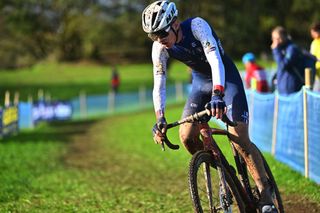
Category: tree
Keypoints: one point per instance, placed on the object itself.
(110, 30)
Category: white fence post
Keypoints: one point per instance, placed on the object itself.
(7, 99)
(179, 91)
(40, 94)
(83, 104)
(142, 96)
(30, 101)
(111, 101)
(275, 123)
(16, 98)
(305, 131)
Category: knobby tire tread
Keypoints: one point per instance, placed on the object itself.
(204, 156)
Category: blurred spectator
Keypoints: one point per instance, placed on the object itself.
(256, 77)
(315, 50)
(115, 79)
(290, 62)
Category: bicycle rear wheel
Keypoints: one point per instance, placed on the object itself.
(205, 186)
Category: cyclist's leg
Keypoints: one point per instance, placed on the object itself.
(235, 99)
(240, 138)
(199, 96)
(189, 136)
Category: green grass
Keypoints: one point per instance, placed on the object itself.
(65, 81)
(108, 165)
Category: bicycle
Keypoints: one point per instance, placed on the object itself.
(217, 187)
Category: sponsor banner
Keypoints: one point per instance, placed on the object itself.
(47, 111)
(9, 120)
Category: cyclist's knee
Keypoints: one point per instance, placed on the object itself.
(189, 136)
(240, 133)
(240, 137)
(185, 131)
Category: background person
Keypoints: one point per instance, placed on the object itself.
(115, 79)
(256, 77)
(215, 79)
(315, 50)
(290, 63)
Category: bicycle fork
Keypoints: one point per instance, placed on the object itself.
(210, 145)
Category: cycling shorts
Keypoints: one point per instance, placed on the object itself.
(235, 98)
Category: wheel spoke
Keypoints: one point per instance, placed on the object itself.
(205, 187)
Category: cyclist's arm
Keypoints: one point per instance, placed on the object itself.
(159, 59)
(202, 32)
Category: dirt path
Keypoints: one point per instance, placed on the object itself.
(86, 152)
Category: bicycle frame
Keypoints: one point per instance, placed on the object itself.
(241, 181)
(209, 142)
(206, 134)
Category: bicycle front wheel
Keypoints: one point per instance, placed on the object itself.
(206, 189)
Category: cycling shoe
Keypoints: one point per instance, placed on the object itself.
(268, 209)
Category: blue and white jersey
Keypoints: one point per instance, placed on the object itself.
(200, 49)
(199, 46)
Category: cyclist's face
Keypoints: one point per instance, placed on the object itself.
(160, 34)
(166, 37)
(169, 40)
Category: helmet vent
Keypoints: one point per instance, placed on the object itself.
(154, 15)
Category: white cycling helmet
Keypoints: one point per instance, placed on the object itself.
(158, 16)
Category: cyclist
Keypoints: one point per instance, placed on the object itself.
(215, 80)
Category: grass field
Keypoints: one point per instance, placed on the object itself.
(65, 81)
(111, 165)
(105, 165)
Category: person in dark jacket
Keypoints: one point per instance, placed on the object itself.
(290, 63)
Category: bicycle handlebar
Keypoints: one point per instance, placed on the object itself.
(191, 119)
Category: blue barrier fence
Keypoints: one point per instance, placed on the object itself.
(97, 105)
(313, 120)
(91, 106)
(277, 125)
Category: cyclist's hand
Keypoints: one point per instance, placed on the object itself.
(159, 130)
(218, 106)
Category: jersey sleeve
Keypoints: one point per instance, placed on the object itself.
(159, 59)
(202, 32)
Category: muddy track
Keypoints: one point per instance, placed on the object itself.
(85, 152)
